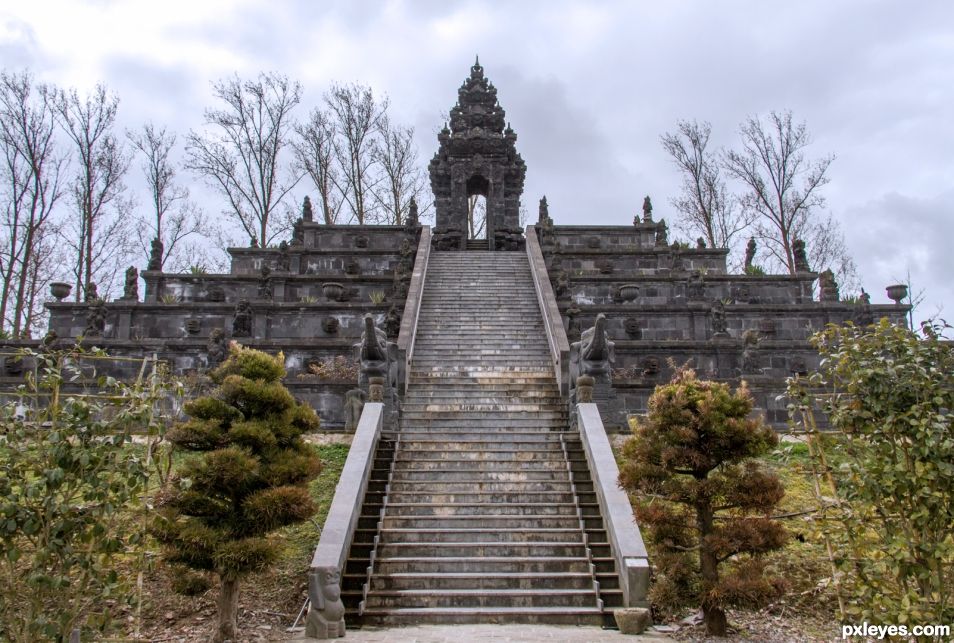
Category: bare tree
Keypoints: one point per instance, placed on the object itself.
(174, 217)
(358, 116)
(31, 176)
(706, 206)
(315, 151)
(477, 216)
(101, 226)
(241, 155)
(782, 186)
(401, 176)
(826, 247)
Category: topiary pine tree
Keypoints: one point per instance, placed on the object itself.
(249, 476)
(704, 499)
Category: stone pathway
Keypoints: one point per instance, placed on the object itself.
(494, 633)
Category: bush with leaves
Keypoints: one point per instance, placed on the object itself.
(704, 499)
(249, 476)
(69, 482)
(889, 398)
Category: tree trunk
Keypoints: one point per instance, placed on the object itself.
(713, 615)
(227, 628)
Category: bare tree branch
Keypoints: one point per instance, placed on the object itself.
(241, 153)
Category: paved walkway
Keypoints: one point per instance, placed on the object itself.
(494, 634)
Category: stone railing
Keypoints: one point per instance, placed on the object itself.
(629, 550)
(412, 308)
(552, 321)
(326, 613)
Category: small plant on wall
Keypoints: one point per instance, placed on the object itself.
(705, 500)
(334, 368)
(247, 476)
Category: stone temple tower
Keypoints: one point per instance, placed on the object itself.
(477, 156)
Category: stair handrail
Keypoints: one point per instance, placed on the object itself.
(331, 554)
(552, 321)
(629, 550)
(412, 309)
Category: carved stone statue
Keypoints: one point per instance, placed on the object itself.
(284, 261)
(862, 315)
(155, 254)
(392, 323)
(700, 243)
(413, 219)
(827, 286)
(326, 616)
(376, 356)
(800, 257)
(543, 218)
(648, 211)
(749, 362)
(407, 256)
(353, 406)
(131, 287)
(750, 252)
(594, 354)
(217, 348)
(95, 318)
(307, 214)
(562, 285)
(265, 283)
(253, 242)
(242, 322)
(719, 326)
(662, 234)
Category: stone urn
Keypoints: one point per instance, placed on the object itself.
(332, 290)
(61, 290)
(897, 292)
(628, 292)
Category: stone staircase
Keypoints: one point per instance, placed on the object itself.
(480, 507)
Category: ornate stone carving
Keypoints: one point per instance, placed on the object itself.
(749, 253)
(412, 220)
(91, 293)
(392, 323)
(284, 260)
(217, 348)
(863, 315)
(543, 215)
(352, 267)
(562, 285)
(799, 256)
(361, 242)
(477, 156)
(193, 325)
(650, 366)
(593, 243)
(594, 354)
(717, 316)
(799, 367)
(330, 325)
(216, 293)
(827, 286)
(131, 286)
(749, 362)
(647, 210)
(605, 266)
(326, 616)
(353, 406)
(265, 283)
(376, 356)
(700, 244)
(155, 254)
(307, 214)
(242, 321)
(662, 234)
(632, 327)
(95, 318)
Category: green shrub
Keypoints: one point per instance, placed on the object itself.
(248, 476)
(704, 500)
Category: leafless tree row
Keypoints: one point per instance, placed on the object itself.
(778, 200)
(66, 213)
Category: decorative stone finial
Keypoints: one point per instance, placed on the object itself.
(412, 216)
(306, 212)
(155, 255)
(662, 234)
(799, 256)
(131, 287)
(543, 218)
(647, 210)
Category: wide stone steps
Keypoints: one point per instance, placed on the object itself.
(482, 514)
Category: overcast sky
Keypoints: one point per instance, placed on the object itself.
(588, 87)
